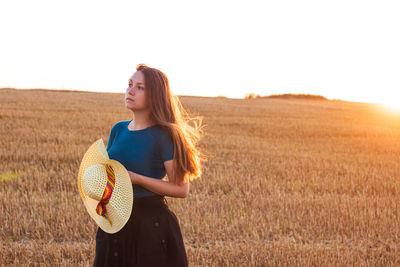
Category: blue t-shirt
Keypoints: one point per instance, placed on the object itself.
(142, 151)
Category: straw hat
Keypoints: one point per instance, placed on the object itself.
(106, 188)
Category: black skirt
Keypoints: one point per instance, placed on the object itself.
(151, 237)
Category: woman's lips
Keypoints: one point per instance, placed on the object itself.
(128, 99)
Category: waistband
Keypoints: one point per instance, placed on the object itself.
(150, 199)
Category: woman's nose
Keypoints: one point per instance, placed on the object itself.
(131, 90)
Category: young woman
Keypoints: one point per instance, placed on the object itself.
(158, 141)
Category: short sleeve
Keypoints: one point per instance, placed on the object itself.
(166, 147)
(111, 137)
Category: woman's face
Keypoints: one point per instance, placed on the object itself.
(136, 95)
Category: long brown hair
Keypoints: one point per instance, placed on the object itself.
(168, 112)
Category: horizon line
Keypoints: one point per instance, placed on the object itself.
(219, 96)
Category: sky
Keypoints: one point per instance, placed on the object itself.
(339, 49)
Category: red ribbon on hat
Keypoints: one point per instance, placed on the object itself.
(101, 206)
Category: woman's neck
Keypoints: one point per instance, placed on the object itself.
(140, 121)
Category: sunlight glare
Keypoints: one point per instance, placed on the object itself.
(392, 104)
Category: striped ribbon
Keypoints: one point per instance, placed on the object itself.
(101, 207)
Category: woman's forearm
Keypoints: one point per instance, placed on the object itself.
(159, 186)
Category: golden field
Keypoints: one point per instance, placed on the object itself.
(290, 183)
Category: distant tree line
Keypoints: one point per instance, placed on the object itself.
(287, 96)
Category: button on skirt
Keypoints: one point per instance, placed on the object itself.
(151, 237)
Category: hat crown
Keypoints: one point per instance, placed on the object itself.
(94, 181)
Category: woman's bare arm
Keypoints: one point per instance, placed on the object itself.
(165, 188)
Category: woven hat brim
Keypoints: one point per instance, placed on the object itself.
(119, 207)
(120, 204)
(96, 154)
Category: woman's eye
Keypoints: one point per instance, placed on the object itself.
(139, 87)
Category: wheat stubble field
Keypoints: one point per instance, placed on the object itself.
(290, 182)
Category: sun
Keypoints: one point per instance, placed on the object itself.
(392, 104)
